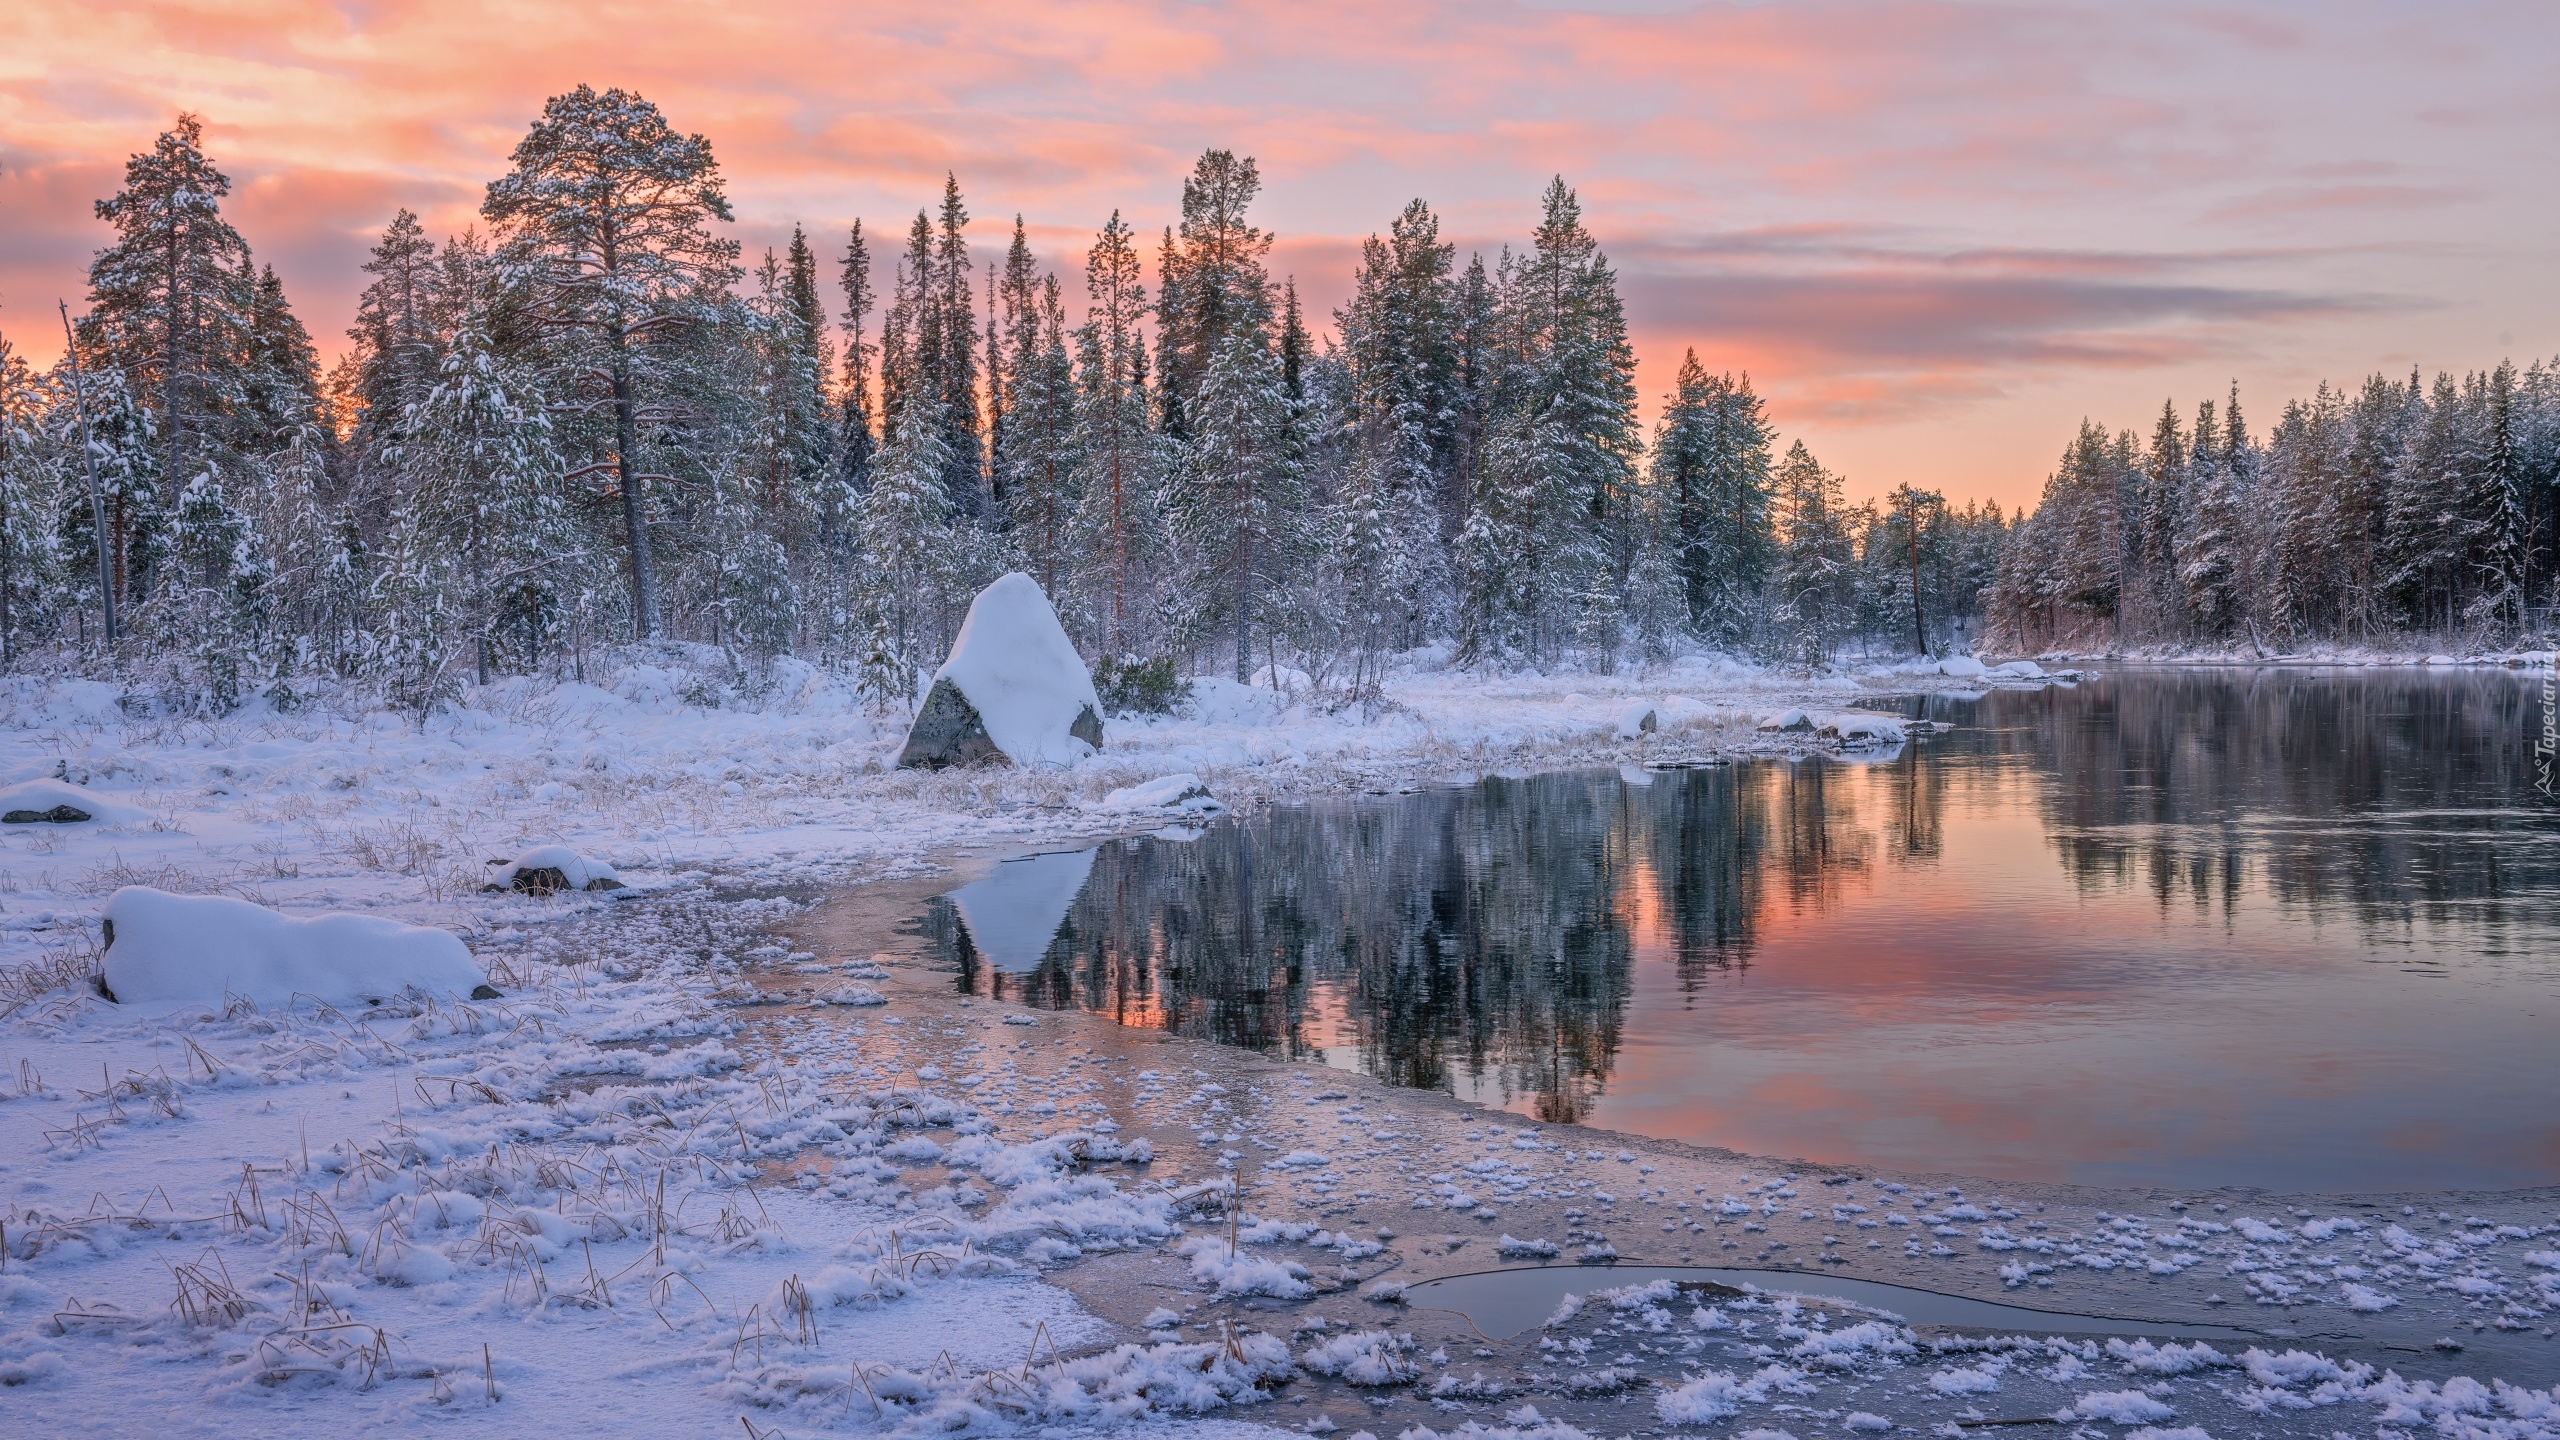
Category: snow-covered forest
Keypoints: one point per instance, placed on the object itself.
(592, 419)
(2403, 508)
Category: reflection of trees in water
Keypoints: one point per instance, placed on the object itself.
(1479, 936)
(1482, 937)
(2395, 795)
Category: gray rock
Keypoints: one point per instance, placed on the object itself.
(548, 880)
(63, 814)
(948, 731)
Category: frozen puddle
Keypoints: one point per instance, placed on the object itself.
(1502, 1303)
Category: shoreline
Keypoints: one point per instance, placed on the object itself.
(686, 1155)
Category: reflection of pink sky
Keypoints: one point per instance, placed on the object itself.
(1900, 1029)
(1936, 233)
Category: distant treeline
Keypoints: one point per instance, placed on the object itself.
(2428, 511)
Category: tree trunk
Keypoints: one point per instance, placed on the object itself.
(635, 520)
(1244, 615)
(1919, 631)
(172, 406)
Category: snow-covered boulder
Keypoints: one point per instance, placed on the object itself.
(2019, 670)
(1787, 720)
(548, 869)
(1287, 679)
(1166, 792)
(172, 949)
(1855, 730)
(52, 802)
(1013, 688)
(1637, 719)
(1963, 667)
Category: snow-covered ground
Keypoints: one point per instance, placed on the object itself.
(725, 1151)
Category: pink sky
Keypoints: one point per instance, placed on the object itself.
(1937, 234)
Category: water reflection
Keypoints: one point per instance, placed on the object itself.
(1883, 963)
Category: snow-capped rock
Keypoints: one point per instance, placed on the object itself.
(1013, 688)
(545, 869)
(1166, 792)
(52, 802)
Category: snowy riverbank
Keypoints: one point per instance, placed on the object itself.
(719, 1152)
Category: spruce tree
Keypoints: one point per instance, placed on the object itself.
(1816, 574)
(906, 535)
(955, 363)
(1397, 340)
(854, 448)
(1042, 459)
(2495, 507)
(1237, 514)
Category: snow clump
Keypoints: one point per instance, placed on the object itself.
(164, 949)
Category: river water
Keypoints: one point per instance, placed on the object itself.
(2288, 929)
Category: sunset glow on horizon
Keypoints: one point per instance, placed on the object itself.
(1936, 234)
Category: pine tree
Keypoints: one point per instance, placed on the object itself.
(1213, 282)
(168, 302)
(1013, 343)
(1912, 537)
(607, 216)
(1115, 515)
(2423, 543)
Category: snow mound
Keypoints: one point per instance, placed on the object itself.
(545, 869)
(1366, 1357)
(164, 948)
(2018, 670)
(2124, 1407)
(1013, 684)
(40, 802)
(1287, 679)
(1963, 667)
(1165, 792)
